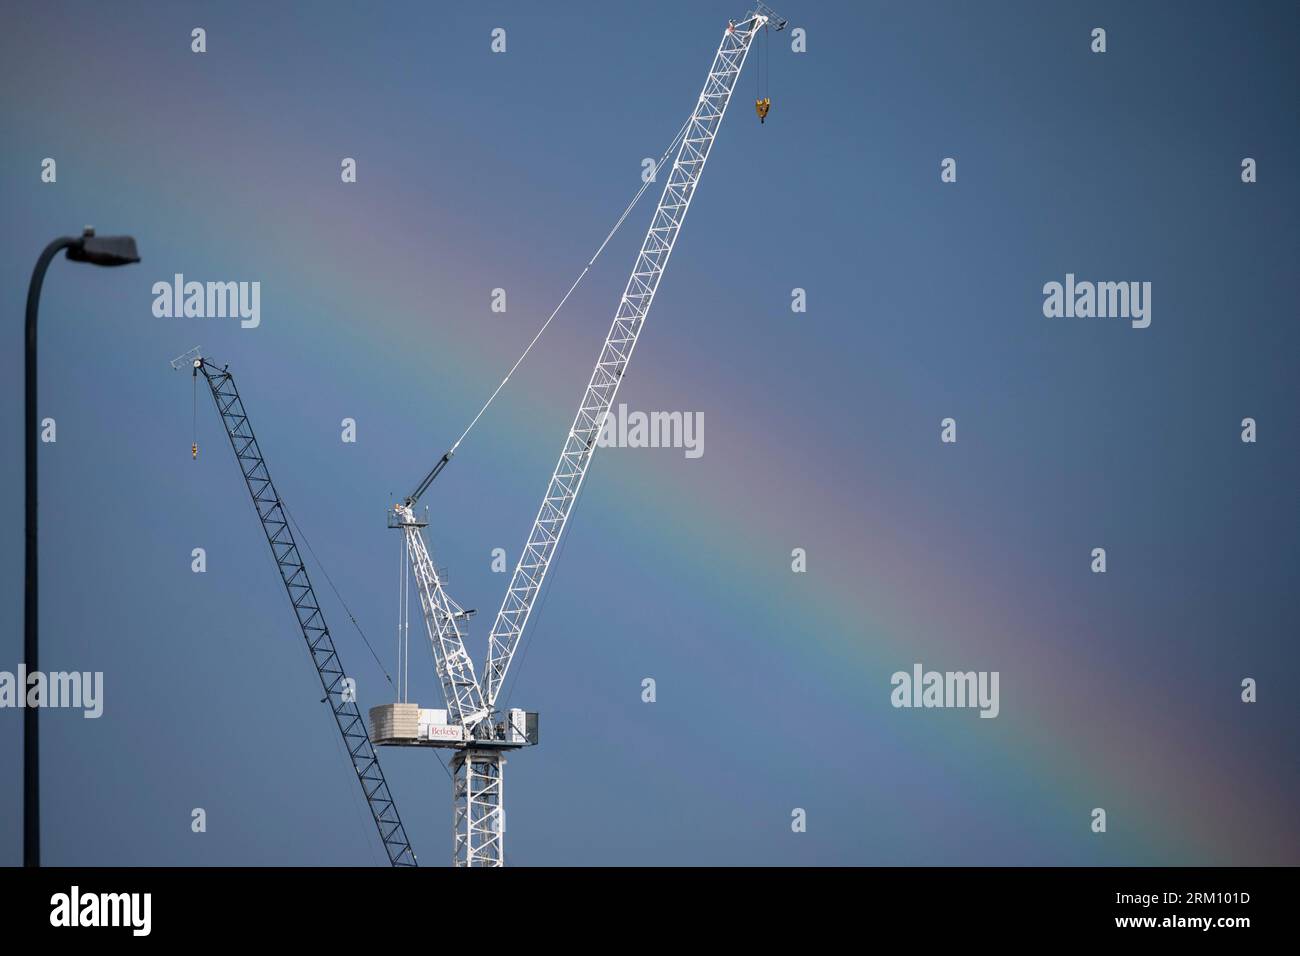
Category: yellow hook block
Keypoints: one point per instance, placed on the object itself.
(761, 107)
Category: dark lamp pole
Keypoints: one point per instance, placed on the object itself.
(100, 251)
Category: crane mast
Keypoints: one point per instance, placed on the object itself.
(339, 691)
(629, 319)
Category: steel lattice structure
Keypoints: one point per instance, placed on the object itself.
(455, 669)
(478, 807)
(479, 764)
(338, 692)
(629, 319)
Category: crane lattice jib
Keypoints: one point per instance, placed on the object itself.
(442, 617)
(270, 510)
(598, 399)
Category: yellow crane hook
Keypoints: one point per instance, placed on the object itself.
(761, 107)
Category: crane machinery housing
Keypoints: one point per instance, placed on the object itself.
(471, 724)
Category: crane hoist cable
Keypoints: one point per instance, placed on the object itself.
(193, 358)
(401, 612)
(403, 626)
(767, 58)
(763, 57)
(347, 610)
(194, 418)
(442, 462)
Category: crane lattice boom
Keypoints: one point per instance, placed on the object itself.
(480, 740)
(442, 615)
(338, 689)
(629, 319)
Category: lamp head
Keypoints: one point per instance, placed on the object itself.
(103, 250)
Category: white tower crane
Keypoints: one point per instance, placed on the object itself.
(471, 725)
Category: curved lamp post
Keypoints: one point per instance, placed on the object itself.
(100, 251)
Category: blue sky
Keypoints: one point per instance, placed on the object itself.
(479, 170)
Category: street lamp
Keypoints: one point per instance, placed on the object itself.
(100, 251)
